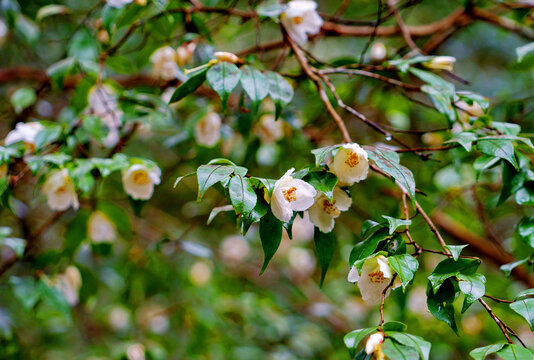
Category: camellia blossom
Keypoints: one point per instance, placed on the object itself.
(269, 129)
(104, 104)
(100, 228)
(374, 345)
(290, 195)
(184, 53)
(440, 63)
(138, 181)
(164, 63)
(376, 274)
(26, 132)
(69, 283)
(208, 129)
(350, 164)
(378, 52)
(465, 111)
(301, 19)
(118, 3)
(323, 212)
(59, 189)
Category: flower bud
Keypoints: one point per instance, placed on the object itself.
(103, 36)
(378, 52)
(374, 342)
(440, 63)
(184, 53)
(228, 57)
(100, 228)
(208, 129)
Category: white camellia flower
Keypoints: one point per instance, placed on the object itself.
(374, 345)
(59, 189)
(323, 212)
(290, 195)
(184, 53)
(269, 129)
(164, 63)
(69, 283)
(100, 228)
(136, 352)
(138, 181)
(350, 164)
(440, 63)
(26, 132)
(466, 111)
(208, 129)
(118, 3)
(301, 19)
(375, 276)
(103, 103)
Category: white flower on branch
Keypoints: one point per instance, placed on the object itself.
(323, 212)
(138, 181)
(376, 274)
(269, 129)
(59, 189)
(350, 164)
(164, 63)
(100, 228)
(440, 63)
(118, 3)
(25, 132)
(103, 103)
(68, 283)
(184, 53)
(374, 345)
(290, 195)
(208, 129)
(301, 19)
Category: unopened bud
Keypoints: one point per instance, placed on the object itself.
(378, 52)
(228, 57)
(440, 63)
(103, 36)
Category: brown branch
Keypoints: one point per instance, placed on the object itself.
(383, 300)
(497, 320)
(408, 87)
(402, 26)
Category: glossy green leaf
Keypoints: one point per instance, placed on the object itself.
(323, 154)
(473, 286)
(270, 236)
(223, 78)
(217, 210)
(209, 175)
(393, 326)
(280, 91)
(324, 247)
(254, 84)
(456, 250)
(397, 351)
(449, 268)
(242, 195)
(525, 229)
(23, 98)
(53, 298)
(394, 223)
(507, 268)
(405, 266)
(525, 308)
(482, 352)
(440, 303)
(324, 182)
(367, 247)
(192, 83)
(353, 338)
(503, 149)
(51, 10)
(515, 352)
(422, 346)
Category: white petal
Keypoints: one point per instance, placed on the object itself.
(320, 218)
(343, 201)
(282, 211)
(373, 342)
(353, 275)
(305, 195)
(383, 264)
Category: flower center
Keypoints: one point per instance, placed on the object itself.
(352, 159)
(297, 20)
(330, 207)
(140, 177)
(376, 277)
(62, 189)
(290, 194)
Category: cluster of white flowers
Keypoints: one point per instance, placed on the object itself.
(375, 276)
(301, 19)
(166, 61)
(103, 103)
(208, 129)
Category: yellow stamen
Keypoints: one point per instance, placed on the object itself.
(290, 194)
(330, 207)
(140, 177)
(352, 159)
(297, 20)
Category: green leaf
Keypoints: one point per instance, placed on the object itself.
(388, 161)
(394, 326)
(254, 216)
(515, 352)
(465, 139)
(25, 290)
(434, 80)
(27, 29)
(473, 287)
(242, 195)
(53, 298)
(395, 223)
(76, 233)
(449, 268)
(270, 236)
(267, 183)
(525, 308)
(507, 268)
(324, 246)
(271, 10)
(223, 78)
(369, 227)
(217, 210)
(83, 45)
(503, 149)
(525, 229)
(455, 250)
(191, 84)
(23, 98)
(49, 134)
(367, 247)
(524, 50)
(471, 97)
(440, 303)
(353, 338)
(15, 244)
(322, 154)
(280, 91)
(441, 101)
(397, 351)
(405, 266)
(525, 293)
(322, 181)
(51, 10)
(481, 352)
(422, 346)
(209, 175)
(254, 84)
(179, 178)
